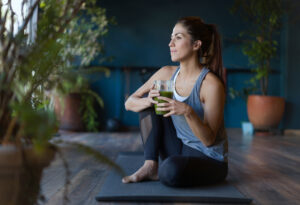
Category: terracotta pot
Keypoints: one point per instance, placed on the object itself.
(265, 112)
(68, 112)
(20, 174)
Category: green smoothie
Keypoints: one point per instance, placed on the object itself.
(168, 94)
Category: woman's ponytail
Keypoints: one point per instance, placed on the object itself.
(214, 53)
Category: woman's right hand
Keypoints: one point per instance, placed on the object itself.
(152, 93)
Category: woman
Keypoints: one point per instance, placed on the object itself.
(190, 139)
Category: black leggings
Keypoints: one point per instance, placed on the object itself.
(181, 165)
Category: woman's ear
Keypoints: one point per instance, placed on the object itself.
(197, 44)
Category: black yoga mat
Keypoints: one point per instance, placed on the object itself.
(154, 191)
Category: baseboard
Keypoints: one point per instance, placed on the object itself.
(292, 132)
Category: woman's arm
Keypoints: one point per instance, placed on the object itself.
(213, 97)
(136, 102)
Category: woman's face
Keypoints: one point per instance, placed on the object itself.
(181, 46)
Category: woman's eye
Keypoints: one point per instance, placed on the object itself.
(176, 38)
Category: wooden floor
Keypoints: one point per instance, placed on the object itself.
(264, 168)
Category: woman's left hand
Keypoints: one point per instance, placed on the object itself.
(173, 106)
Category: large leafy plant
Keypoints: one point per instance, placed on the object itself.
(30, 69)
(67, 29)
(264, 19)
(79, 51)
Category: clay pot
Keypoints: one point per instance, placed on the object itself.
(265, 112)
(68, 113)
(21, 173)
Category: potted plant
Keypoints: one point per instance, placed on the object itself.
(76, 104)
(74, 100)
(264, 19)
(29, 69)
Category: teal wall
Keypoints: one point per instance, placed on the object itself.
(140, 40)
(291, 64)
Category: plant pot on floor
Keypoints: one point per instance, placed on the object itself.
(265, 112)
(68, 112)
(20, 174)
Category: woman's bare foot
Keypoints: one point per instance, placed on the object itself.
(149, 171)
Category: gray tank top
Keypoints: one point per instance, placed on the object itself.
(219, 150)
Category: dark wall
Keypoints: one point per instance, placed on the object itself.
(291, 73)
(144, 27)
(140, 40)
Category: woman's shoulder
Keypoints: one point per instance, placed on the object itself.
(169, 68)
(167, 71)
(212, 82)
(212, 88)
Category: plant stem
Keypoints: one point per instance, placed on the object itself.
(9, 130)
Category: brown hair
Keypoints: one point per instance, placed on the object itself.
(210, 53)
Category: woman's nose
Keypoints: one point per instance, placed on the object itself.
(171, 43)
